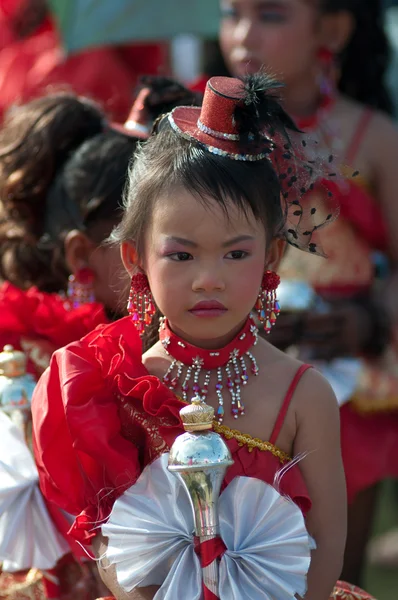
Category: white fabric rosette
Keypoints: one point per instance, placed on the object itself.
(28, 538)
(151, 542)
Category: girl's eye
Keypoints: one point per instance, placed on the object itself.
(273, 17)
(228, 12)
(180, 256)
(237, 254)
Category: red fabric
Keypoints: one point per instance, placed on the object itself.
(369, 445)
(30, 66)
(359, 208)
(199, 85)
(51, 584)
(208, 594)
(286, 403)
(38, 319)
(346, 591)
(100, 410)
(210, 550)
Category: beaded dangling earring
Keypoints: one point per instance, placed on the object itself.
(328, 71)
(81, 288)
(267, 305)
(140, 305)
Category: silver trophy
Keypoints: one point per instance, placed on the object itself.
(200, 457)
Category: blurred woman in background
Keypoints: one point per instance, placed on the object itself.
(332, 56)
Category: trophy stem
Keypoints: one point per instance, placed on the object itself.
(200, 458)
(209, 571)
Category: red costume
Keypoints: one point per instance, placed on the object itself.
(30, 66)
(113, 418)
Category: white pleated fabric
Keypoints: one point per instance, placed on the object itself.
(150, 540)
(28, 538)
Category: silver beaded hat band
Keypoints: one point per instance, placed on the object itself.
(217, 134)
(216, 149)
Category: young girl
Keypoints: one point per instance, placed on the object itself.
(63, 167)
(212, 197)
(332, 56)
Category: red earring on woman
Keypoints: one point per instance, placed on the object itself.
(140, 305)
(329, 76)
(267, 305)
(81, 287)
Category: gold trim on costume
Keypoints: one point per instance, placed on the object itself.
(244, 439)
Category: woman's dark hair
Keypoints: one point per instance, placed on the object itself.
(365, 60)
(59, 169)
(63, 168)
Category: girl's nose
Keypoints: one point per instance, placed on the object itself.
(209, 279)
(245, 32)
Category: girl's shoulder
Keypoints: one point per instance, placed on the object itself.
(377, 128)
(308, 386)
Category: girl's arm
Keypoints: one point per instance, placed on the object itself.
(383, 153)
(382, 146)
(318, 435)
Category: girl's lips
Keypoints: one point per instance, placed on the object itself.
(208, 309)
(208, 313)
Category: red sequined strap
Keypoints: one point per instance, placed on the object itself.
(358, 136)
(286, 403)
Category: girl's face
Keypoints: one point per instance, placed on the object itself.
(280, 35)
(204, 268)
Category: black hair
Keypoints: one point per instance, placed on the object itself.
(60, 168)
(169, 160)
(365, 60)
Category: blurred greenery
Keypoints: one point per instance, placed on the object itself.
(383, 583)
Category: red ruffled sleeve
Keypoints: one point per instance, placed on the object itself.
(84, 460)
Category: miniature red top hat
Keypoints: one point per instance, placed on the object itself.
(214, 124)
(139, 123)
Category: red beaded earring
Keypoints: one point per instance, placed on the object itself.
(328, 71)
(140, 305)
(81, 288)
(267, 305)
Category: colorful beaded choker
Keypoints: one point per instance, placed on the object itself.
(193, 369)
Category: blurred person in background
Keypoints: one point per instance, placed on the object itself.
(332, 56)
(32, 61)
(63, 166)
